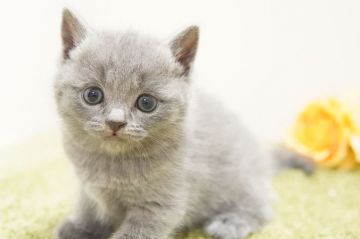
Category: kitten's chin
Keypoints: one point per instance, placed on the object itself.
(115, 144)
(118, 143)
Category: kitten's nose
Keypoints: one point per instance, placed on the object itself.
(115, 125)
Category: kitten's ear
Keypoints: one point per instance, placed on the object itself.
(184, 47)
(72, 32)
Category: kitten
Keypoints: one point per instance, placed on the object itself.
(153, 155)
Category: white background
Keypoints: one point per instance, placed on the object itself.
(264, 58)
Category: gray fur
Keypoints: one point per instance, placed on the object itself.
(284, 158)
(190, 163)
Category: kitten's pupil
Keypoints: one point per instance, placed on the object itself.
(93, 95)
(145, 102)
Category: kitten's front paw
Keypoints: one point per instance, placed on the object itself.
(68, 230)
(230, 226)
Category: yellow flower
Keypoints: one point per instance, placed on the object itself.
(326, 133)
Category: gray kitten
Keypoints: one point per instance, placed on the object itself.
(153, 155)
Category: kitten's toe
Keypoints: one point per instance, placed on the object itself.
(230, 226)
(69, 231)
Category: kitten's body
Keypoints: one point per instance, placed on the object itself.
(213, 169)
(188, 164)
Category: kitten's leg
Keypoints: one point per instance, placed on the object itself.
(74, 230)
(155, 222)
(240, 220)
(86, 223)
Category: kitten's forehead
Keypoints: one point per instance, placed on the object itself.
(126, 56)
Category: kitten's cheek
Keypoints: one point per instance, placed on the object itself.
(96, 132)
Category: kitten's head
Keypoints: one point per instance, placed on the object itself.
(119, 89)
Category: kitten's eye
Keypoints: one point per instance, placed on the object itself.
(146, 103)
(93, 95)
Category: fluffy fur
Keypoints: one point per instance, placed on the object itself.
(187, 164)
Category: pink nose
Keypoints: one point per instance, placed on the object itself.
(115, 125)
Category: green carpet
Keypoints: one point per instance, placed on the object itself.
(37, 184)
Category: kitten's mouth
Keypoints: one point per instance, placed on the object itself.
(114, 137)
(121, 137)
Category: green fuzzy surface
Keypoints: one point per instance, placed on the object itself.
(37, 188)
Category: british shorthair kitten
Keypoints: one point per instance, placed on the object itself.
(153, 155)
